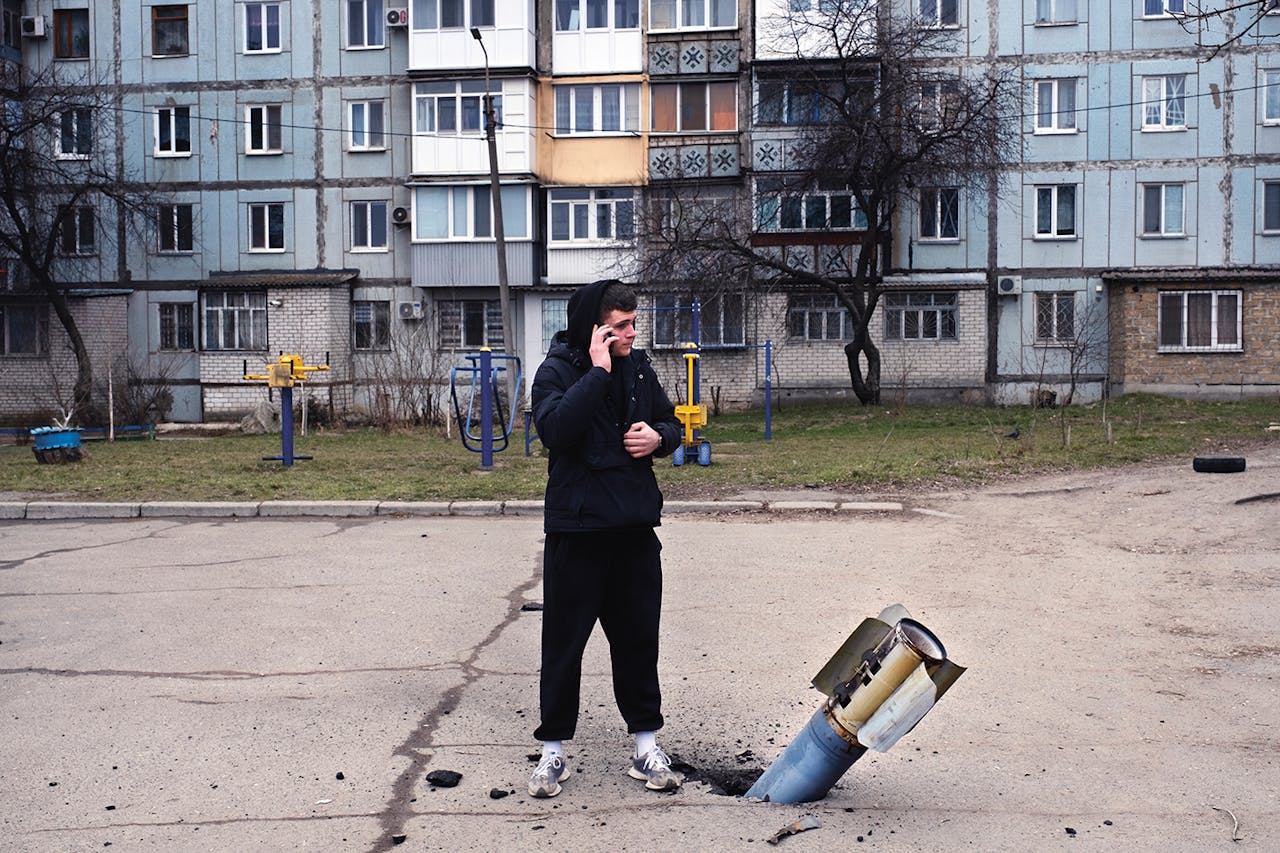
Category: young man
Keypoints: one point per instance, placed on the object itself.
(603, 416)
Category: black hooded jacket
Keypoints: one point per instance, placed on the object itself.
(592, 482)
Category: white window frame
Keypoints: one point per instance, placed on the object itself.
(810, 317)
(1271, 95)
(778, 206)
(170, 222)
(1157, 115)
(940, 13)
(1271, 192)
(364, 133)
(460, 211)
(235, 320)
(79, 227)
(1165, 300)
(258, 120)
(1167, 8)
(1055, 317)
(371, 218)
(372, 12)
(172, 118)
(1048, 200)
(1051, 13)
(680, 90)
(1164, 227)
(261, 217)
(568, 99)
(584, 210)
(908, 315)
(373, 317)
(262, 12)
(578, 21)
(555, 317)
(428, 97)
(425, 15)
(938, 199)
(679, 9)
(173, 319)
(1057, 118)
(80, 130)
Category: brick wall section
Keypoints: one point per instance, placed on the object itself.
(309, 321)
(1135, 361)
(32, 386)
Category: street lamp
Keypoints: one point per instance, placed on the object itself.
(499, 231)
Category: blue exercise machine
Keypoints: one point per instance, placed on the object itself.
(476, 428)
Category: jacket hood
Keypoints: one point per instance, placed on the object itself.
(584, 313)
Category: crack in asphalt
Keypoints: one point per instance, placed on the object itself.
(418, 746)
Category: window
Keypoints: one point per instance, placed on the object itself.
(470, 324)
(802, 102)
(266, 228)
(818, 318)
(1160, 8)
(365, 23)
(1056, 11)
(262, 129)
(235, 320)
(451, 14)
(689, 107)
(371, 325)
(1271, 207)
(24, 329)
(920, 316)
(75, 137)
(1271, 97)
(368, 126)
(555, 316)
(173, 132)
(79, 235)
(939, 104)
(177, 326)
(1164, 102)
(71, 33)
(721, 320)
(598, 109)
(169, 31)
(1162, 210)
(940, 213)
(368, 226)
(692, 14)
(1056, 106)
(442, 213)
(828, 208)
(940, 13)
(1206, 320)
(597, 14)
(1056, 211)
(10, 22)
(262, 28)
(175, 226)
(453, 107)
(1055, 317)
(592, 215)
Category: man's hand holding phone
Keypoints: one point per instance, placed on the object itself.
(602, 337)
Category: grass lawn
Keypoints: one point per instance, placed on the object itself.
(830, 445)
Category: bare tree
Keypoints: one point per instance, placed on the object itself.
(1218, 25)
(871, 113)
(60, 182)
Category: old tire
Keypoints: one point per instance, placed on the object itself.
(677, 456)
(1218, 464)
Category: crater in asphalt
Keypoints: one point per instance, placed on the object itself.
(723, 781)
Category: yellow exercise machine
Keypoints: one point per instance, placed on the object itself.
(287, 370)
(692, 415)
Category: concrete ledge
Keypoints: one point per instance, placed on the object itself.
(334, 509)
(13, 509)
(936, 513)
(413, 508)
(68, 509)
(199, 509)
(870, 506)
(783, 506)
(522, 508)
(475, 508)
(711, 506)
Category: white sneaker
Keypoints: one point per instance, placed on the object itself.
(654, 769)
(545, 781)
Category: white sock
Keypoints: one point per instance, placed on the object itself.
(552, 747)
(646, 742)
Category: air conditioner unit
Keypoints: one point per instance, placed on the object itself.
(1009, 285)
(32, 26)
(410, 310)
(397, 17)
(400, 215)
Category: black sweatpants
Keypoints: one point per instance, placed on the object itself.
(614, 577)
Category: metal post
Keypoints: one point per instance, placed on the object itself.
(697, 341)
(486, 408)
(768, 390)
(286, 425)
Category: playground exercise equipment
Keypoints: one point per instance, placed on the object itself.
(483, 371)
(287, 370)
(692, 415)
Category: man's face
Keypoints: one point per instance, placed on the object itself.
(623, 324)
